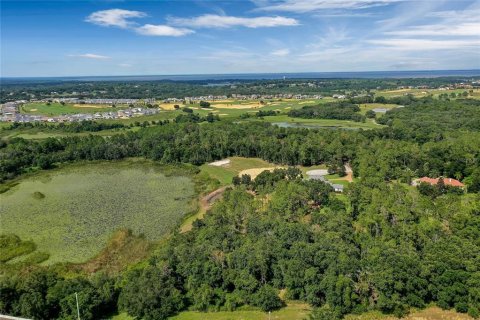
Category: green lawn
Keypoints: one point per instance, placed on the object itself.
(425, 92)
(226, 173)
(320, 123)
(55, 109)
(369, 106)
(237, 164)
(293, 311)
(41, 133)
(299, 311)
(71, 212)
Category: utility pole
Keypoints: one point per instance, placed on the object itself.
(78, 308)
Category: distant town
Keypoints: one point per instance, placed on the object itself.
(124, 108)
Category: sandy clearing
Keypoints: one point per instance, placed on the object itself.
(305, 102)
(33, 110)
(349, 176)
(254, 172)
(237, 106)
(205, 203)
(398, 90)
(349, 171)
(223, 114)
(220, 101)
(170, 106)
(220, 163)
(318, 172)
(288, 108)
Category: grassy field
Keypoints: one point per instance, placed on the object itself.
(286, 121)
(300, 311)
(41, 133)
(228, 108)
(224, 174)
(425, 92)
(70, 213)
(55, 109)
(293, 311)
(369, 106)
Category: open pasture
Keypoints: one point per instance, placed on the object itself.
(425, 92)
(286, 121)
(364, 107)
(225, 173)
(300, 311)
(56, 109)
(170, 106)
(71, 212)
(239, 165)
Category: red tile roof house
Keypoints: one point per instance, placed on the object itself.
(433, 181)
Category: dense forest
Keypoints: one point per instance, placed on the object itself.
(381, 246)
(339, 111)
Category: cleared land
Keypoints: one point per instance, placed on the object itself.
(239, 165)
(425, 92)
(170, 106)
(225, 173)
(370, 106)
(70, 213)
(56, 109)
(286, 121)
(42, 133)
(300, 311)
(254, 172)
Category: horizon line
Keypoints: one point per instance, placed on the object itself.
(240, 74)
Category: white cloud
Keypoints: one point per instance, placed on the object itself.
(302, 6)
(89, 56)
(218, 21)
(162, 30)
(425, 44)
(462, 29)
(114, 17)
(280, 52)
(120, 18)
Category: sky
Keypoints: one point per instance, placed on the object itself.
(115, 37)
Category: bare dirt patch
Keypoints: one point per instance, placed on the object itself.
(220, 163)
(317, 172)
(237, 106)
(170, 106)
(205, 204)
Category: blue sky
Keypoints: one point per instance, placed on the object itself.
(114, 37)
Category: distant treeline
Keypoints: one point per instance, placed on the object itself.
(81, 126)
(23, 90)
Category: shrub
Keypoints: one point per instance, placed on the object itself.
(266, 298)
